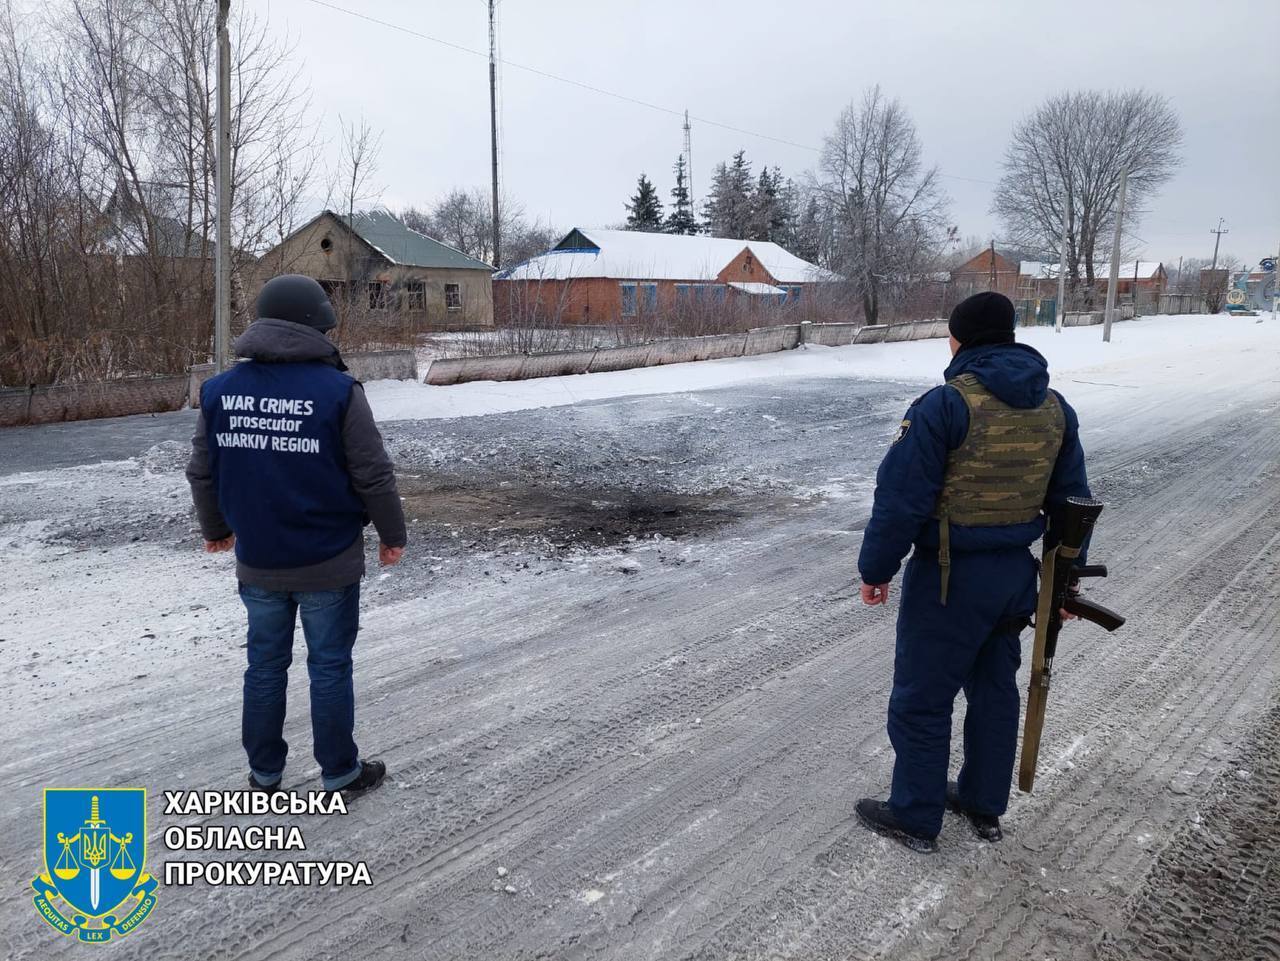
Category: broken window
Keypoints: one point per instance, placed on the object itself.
(415, 295)
(452, 296)
(378, 295)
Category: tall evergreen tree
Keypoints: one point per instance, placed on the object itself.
(645, 210)
(769, 216)
(807, 242)
(728, 211)
(681, 219)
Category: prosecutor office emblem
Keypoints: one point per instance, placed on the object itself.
(93, 885)
(902, 431)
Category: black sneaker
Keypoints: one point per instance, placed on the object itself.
(876, 816)
(370, 776)
(266, 788)
(985, 826)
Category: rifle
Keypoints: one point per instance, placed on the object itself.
(1059, 587)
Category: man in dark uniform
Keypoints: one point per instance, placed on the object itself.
(287, 467)
(974, 468)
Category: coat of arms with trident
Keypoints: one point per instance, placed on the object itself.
(95, 837)
(94, 863)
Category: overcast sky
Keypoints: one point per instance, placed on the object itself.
(966, 71)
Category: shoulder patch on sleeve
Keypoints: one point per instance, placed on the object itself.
(902, 431)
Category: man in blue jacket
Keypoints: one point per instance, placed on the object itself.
(976, 466)
(287, 467)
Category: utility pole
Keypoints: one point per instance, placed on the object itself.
(991, 277)
(1062, 280)
(1217, 240)
(493, 127)
(222, 187)
(1114, 278)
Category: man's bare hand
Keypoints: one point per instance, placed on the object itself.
(1065, 614)
(217, 547)
(389, 556)
(873, 594)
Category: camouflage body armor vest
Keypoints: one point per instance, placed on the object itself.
(1000, 473)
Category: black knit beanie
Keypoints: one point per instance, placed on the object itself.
(985, 318)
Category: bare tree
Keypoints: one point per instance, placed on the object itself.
(1064, 164)
(107, 180)
(884, 211)
(463, 218)
(361, 151)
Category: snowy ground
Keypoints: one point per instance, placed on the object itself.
(623, 661)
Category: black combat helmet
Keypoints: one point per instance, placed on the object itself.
(298, 299)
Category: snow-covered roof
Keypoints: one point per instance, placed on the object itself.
(757, 289)
(1147, 269)
(637, 255)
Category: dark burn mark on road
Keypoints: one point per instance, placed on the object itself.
(568, 517)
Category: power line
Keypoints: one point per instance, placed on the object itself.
(551, 76)
(599, 90)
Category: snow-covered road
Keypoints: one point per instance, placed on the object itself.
(624, 662)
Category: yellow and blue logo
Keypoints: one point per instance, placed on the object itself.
(95, 845)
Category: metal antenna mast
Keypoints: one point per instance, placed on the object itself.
(688, 160)
(493, 127)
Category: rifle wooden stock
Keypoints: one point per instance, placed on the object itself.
(1073, 524)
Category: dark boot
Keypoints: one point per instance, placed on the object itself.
(985, 826)
(266, 788)
(370, 776)
(876, 816)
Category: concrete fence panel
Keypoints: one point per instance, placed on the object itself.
(871, 335)
(197, 374)
(833, 335)
(442, 373)
(620, 358)
(1082, 319)
(941, 329)
(719, 346)
(768, 340)
(115, 398)
(382, 365)
(363, 365)
(895, 333)
(504, 367)
(557, 364)
(675, 351)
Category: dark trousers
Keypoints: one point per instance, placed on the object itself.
(330, 620)
(966, 644)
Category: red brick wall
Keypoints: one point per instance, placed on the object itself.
(745, 269)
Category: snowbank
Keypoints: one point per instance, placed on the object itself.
(1143, 351)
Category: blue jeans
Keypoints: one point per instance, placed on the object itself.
(966, 645)
(330, 620)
